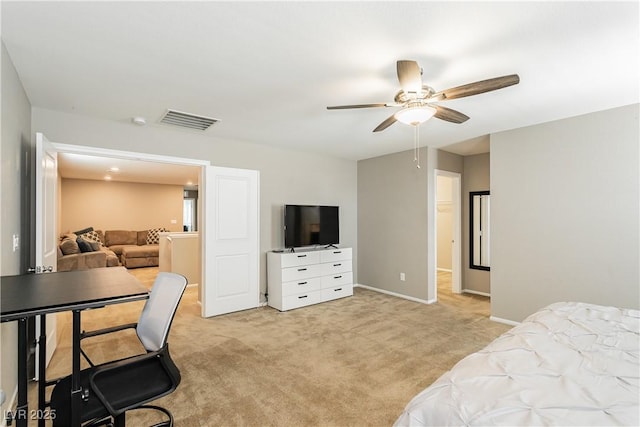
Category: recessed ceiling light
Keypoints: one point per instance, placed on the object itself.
(107, 178)
(189, 183)
(114, 169)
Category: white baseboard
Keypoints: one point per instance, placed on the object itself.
(470, 291)
(394, 294)
(505, 321)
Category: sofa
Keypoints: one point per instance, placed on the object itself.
(77, 253)
(91, 248)
(135, 248)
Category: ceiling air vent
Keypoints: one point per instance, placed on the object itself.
(187, 120)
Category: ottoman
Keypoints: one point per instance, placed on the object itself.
(140, 256)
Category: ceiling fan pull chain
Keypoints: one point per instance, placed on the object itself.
(415, 142)
(416, 150)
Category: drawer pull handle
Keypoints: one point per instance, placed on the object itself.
(337, 265)
(301, 256)
(337, 252)
(302, 296)
(302, 269)
(337, 277)
(302, 283)
(337, 290)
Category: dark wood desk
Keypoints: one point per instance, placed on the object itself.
(29, 295)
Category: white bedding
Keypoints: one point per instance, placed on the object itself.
(567, 364)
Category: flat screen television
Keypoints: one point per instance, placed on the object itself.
(310, 225)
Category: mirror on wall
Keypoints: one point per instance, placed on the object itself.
(479, 231)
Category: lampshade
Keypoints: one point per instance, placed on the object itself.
(415, 115)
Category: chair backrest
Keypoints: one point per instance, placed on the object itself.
(159, 310)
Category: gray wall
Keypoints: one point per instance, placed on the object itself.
(565, 212)
(474, 178)
(395, 205)
(286, 176)
(392, 228)
(15, 215)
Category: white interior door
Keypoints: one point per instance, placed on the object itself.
(46, 226)
(230, 272)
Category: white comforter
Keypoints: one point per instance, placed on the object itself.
(568, 364)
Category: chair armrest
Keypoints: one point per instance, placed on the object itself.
(104, 331)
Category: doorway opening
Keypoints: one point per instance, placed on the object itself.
(448, 223)
(171, 170)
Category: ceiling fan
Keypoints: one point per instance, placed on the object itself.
(417, 99)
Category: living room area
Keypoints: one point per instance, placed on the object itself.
(115, 212)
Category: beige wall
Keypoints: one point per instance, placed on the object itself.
(565, 213)
(476, 177)
(15, 198)
(119, 205)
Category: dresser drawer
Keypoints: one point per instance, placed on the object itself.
(331, 255)
(330, 268)
(301, 272)
(337, 292)
(301, 286)
(295, 259)
(300, 300)
(337, 280)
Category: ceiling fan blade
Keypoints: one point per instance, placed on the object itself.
(388, 122)
(344, 107)
(449, 115)
(409, 76)
(478, 87)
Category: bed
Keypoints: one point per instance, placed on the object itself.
(567, 364)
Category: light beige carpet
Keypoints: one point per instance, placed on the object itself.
(351, 362)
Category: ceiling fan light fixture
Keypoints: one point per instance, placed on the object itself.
(415, 115)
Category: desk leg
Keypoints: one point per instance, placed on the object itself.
(76, 389)
(22, 409)
(42, 376)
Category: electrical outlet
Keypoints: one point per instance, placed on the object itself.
(174, 221)
(16, 242)
(402, 277)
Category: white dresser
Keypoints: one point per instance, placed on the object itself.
(297, 279)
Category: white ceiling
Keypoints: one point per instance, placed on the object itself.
(82, 166)
(267, 70)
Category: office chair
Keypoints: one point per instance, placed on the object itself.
(110, 389)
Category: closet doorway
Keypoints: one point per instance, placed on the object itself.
(448, 223)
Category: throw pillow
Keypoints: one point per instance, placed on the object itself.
(84, 230)
(69, 246)
(95, 246)
(153, 237)
(84, 245)
(92, 236)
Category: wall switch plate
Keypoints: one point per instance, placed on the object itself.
(174, 221)
(16, 242)
(402, 276)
